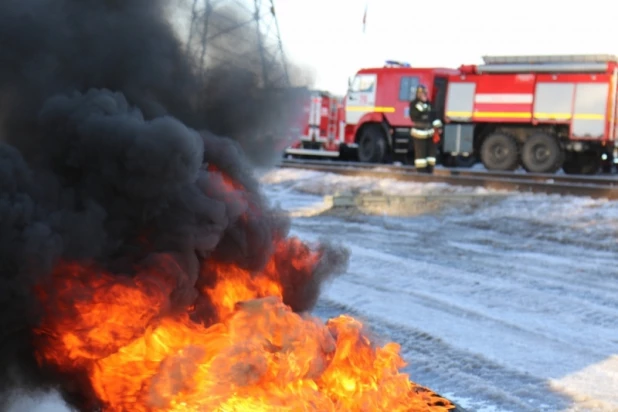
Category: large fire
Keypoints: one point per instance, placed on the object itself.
(254, 353)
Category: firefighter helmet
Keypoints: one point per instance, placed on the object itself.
(421, 88)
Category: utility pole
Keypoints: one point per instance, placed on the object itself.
(220, 31)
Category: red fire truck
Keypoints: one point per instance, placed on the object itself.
(540, 112)
(320, 128)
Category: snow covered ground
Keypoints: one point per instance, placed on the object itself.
(511, 306)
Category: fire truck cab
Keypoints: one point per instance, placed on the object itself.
(540, 112)
(377, 121)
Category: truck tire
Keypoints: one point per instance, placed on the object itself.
(371, 144)
(584, 163)
(542, 154)
(499, 151)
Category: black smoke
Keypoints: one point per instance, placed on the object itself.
(109, 136)
(58, 46)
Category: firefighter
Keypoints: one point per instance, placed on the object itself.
(424, 131)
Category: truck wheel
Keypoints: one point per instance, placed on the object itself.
(499, 151)
(585, 163)
(542, 154)
(371, 145)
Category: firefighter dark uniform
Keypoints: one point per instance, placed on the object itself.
(422, 132)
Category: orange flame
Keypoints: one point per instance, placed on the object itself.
(255, 354)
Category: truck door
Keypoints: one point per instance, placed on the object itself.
(361, 97)
(439, 97)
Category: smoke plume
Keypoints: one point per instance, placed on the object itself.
(111, 155)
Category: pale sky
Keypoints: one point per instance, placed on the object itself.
(327, 34)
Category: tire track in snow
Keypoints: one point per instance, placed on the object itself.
(453, 308)
(436, 250)
(513, 294)
(546, 281)
(601, 238)
(489, 267)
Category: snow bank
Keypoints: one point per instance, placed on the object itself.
(295, 189)
(322, 183)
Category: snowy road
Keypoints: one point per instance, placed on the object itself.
(508, 307)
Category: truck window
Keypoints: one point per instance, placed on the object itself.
(407, 88)
(363, 83)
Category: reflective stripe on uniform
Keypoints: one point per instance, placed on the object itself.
(420, 163)
(421, 133)
(431, 161)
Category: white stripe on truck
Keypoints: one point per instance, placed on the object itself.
(507, 98)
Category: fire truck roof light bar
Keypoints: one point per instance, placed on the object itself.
(395, 63)
(543, 68)
(544, 59)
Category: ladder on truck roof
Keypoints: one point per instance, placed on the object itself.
(558, 58)
(582, 63)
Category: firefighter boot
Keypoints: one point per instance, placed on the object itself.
(431, 164)
(420, 165)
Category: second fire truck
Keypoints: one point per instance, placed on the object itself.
(540, 112)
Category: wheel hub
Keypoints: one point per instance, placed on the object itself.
(540, 153)
(500, 152)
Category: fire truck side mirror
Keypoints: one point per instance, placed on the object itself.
(349, 83)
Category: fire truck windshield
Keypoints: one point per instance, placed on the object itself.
(363, 83)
